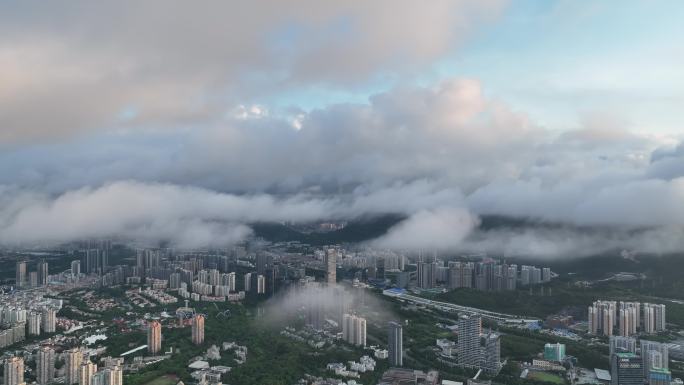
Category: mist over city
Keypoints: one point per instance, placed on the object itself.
(342, 192)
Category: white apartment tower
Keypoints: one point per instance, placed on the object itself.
(73, 358)
(331, 266)
(14, 371)
(86, 373)
(354, 329)
(45, 365)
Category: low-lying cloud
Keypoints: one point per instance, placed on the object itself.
(440, 229)
(442, 156)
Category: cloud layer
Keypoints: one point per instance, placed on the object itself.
(120, 64)
(441, 155)
(121, 120)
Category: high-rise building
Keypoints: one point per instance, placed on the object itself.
(331, 266)
(49, 317)
(198, 329)
(154, 337)
(175, 281)
(602, 317)
(628, 318)
(654, 318)
(626, 369)
(395, 344)
(45, 365)
(75, 268)
(490, 344)
(14, 371)
(469, 330)
(92, 261)
(426, 275)
(21, 274)
(525, 275)
(354, 329)
(554, 352)
(619, 344)
(248, 282)
(475, 348)
(113, 375)
(73, 358)
(263, 262)
(34, 323)
(42, 273)
(86, 373)
(511, 277)
(261, 284)
(99, 378)
(231, 281)
(461, 275)
(655, 355)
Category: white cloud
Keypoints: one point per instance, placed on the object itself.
(442, 229)
(439, 155)
(73, 68)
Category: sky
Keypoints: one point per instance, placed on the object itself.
(167, 120)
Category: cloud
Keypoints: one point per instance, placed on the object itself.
(79, 68)
(448, 132)
(442, 229)
(568, 241)
(183, 216)
(442, 155)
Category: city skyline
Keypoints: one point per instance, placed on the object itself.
(342, 192)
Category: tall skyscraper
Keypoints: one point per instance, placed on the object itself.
(654, 318)
(395, 344)
(354, 329)
(34, 323)
(626, 369)
(469, 330)
(45, 365)
(628, 318)
(113, 375)
(86, 373)
(231, 281)
(331, 266)
(198, 329)
(42, 273)
(21, 274)
(460, 275)
(75, 268)
(490, 344)
(655, 355)
(261, 284)
(73, 358)
(426, 275)
(14, 371)
(602, 317)
(248, 282)
(49, 316)
(263, 262)
(92, 261)
(154, 337)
